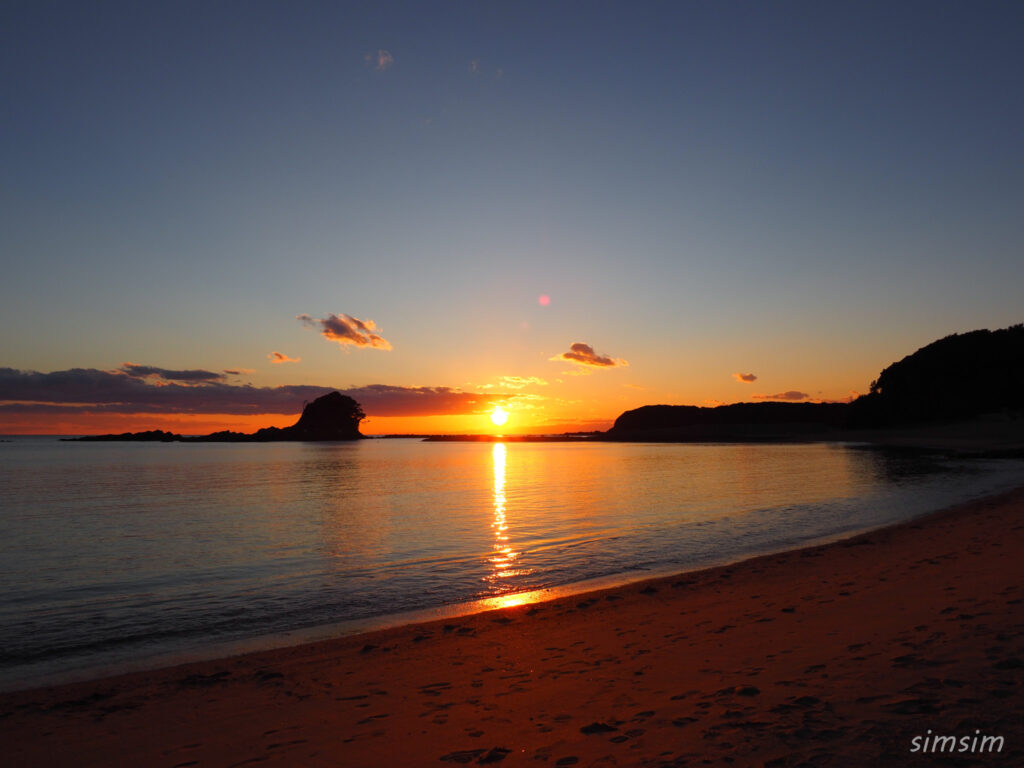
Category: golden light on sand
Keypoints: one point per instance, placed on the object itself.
(499, 416)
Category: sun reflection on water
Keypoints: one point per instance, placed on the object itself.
(504, 557)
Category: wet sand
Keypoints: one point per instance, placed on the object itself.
(836, 655)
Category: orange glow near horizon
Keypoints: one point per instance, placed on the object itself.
(116, 423)
(526, 422)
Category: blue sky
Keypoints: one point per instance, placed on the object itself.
(804, 190)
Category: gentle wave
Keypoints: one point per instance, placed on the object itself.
(113, 552)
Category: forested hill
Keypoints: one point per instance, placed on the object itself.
(958, 377)
(740, 421)
(955, 378)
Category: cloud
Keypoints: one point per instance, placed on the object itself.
(850, 397)
(791, 395)
(346, 329)
(238, 371)
(710, 402)
(88, 390)
(387, 400)
(381, 60)
(554, 426)
(117, 392)
(745, 378)
(149, 371)
(518, 382)
(583, 354)
(281, 357)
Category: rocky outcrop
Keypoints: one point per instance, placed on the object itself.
(332, 417)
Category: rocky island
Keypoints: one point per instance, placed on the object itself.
(332, 417)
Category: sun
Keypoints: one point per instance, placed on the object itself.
(499, 416)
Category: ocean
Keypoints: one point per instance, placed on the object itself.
(116, 556)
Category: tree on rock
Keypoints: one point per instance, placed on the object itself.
(332, 417)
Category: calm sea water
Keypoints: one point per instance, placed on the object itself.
(115, 552)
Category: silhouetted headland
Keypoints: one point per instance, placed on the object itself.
(963, 392)
(332, 417)
(961, 376)
(740, 421)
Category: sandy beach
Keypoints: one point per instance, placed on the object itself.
(835, 655)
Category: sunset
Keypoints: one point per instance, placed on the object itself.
(638, 370)
(441, 219)
(499, 416)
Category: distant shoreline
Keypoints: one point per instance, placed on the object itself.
(983, 437)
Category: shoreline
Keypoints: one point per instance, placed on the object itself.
(157, 659)
(613, 661)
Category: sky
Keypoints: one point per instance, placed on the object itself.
(212, 212)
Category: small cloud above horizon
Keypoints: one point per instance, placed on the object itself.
(850, 397)
(476, 69)
(280, 357)
(745, 378)
(791, 395)
(381, 60)
(518, 382)
(345, 329)
(149, 371)
(584, 354)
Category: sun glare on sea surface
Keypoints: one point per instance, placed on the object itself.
(499, 416)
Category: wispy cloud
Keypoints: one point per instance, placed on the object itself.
(850, 397)
(478, 70)
(381, 60)
(149, 371)
(346, 329)
(789, 395)
(387, 400)
(745, 378)
(519, 382)
(238, 371)
(280, 357)
(583, 354)
(574, 425)
(88, 390)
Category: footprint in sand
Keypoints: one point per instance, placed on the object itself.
(596, 727)
(482, 756)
